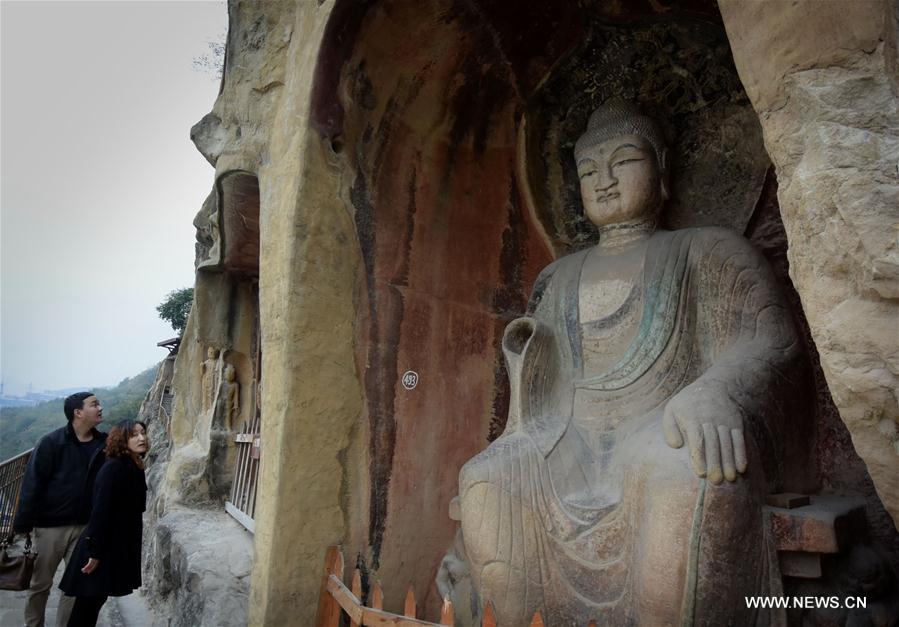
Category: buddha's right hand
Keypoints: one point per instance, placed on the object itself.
(712, 426)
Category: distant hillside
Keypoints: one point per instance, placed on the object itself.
(22, 427)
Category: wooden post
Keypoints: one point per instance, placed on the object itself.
(489, 619)
(356, 588)
(328, 613)
(377, 596)
(409, 607)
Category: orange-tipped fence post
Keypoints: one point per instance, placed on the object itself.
(409, 606)
(335, 598)
(489, 619)
(328, 614)
(377, 596)
(356, 588)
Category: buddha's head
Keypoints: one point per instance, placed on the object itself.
(621, 161)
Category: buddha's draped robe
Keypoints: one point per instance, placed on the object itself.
(580, 509)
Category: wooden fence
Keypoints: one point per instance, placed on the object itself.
(336, 598)
(242, 502)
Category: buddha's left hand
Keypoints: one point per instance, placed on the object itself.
(712, 425)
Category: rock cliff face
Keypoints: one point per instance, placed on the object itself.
(197, 560)
(391, 176)
(824, 83)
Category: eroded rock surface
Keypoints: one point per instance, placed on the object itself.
(197, 560)
(198, 568)
(382, 140)
(823, 80)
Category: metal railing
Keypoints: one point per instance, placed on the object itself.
(12, 473)
(165, 405)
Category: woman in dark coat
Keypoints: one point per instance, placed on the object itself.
(106, 560)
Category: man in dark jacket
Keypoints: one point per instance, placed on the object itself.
(56, 498)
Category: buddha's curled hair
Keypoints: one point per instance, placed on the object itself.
(616, 117)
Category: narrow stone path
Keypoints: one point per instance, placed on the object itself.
(129, 611)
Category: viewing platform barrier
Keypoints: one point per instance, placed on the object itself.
(12, 474)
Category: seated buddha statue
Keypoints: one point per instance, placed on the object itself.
(655, 384)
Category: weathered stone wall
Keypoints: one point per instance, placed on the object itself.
(197, 571)
(201, 463)
(312, 397)
(822, 77)
(837, 465)
(191, 530)
(448, 251)
(400, 221)
(197, 560)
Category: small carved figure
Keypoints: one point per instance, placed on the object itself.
(650, 373)
(210, 377)
(454, 582)
(231, 396)
(453, 568)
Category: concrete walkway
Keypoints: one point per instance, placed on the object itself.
(129, 611)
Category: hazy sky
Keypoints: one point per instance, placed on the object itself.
(99, 182)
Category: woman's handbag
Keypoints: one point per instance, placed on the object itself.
(15, 572)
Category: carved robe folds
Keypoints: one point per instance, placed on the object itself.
(580, 509)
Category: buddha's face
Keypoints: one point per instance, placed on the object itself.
(620, 180)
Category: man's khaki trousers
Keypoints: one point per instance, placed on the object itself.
(53, 544)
